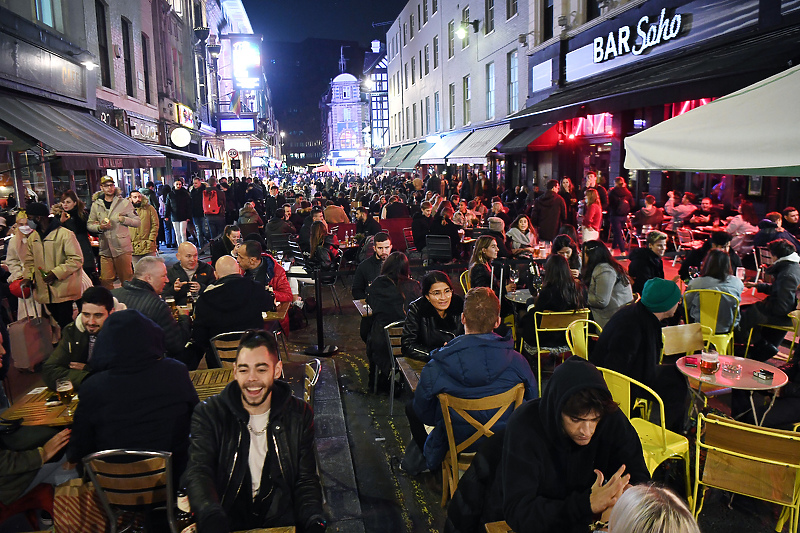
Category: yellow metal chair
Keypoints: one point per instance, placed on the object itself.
(578, 336)
(744, 459)
(709, 302)
(456, 460)
(793, 329)
(658, 443)
(311, 371)
(552, 321)
(464, 279)
(498, 527)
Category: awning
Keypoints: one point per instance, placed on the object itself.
(475, 148)
(543, 137)
(389, 153)
(202, 161)
(398, 156)
(699, 73)
(412, 159)
(440, 150)
(82, 141)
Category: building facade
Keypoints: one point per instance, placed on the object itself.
(342, 112)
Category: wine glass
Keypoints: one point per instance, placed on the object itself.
(65, 390)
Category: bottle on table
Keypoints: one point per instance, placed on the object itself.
(184, 518)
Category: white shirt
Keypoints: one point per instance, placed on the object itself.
(258, 448)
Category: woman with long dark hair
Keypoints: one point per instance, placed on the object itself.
(607, 282)
(325, 254)
(716, 273)
(480, 266)
(434, 318)
(74, 217)
(522, 236)
(389, 297)
(564, 246)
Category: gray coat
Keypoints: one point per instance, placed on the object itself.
(607, 293)
(116, 240)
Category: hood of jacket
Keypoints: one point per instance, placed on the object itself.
(237, 289)
(767, 224)
(791, 258)
(573, 376)
(247, 210)
(144, 204)
(99, 194)
(128, 341)
(457, 358)
(232, 397)
(548, 199)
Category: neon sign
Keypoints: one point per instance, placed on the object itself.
(649, 35)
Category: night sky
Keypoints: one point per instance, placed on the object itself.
(296, 20)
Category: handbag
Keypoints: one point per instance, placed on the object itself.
(30, 338)
(77, 509)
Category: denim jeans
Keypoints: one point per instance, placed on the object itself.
(216, 224)
(202, 230)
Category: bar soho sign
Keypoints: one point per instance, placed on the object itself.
(650, 34)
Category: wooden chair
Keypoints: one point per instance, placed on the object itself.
(464, 279)
(658, 443)
(792, 328)
(685, 339)
(709, 302)
(744, 459)
(439, 248)
(225, 345)
(312, 371)
(498, 527)
(553, 321)
(456, 460)
(138, 486)
(394, 335)
(578, 336)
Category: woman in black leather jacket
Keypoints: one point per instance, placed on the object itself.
(325, 253)
(433, 319)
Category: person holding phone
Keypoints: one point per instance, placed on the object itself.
(187, 275)
(226, 244)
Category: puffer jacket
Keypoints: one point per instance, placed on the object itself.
(143, 238)
(471, 366)
(57, 252)
(116, 240)
(425, 331)
(781, 299)
(179, 205)
(218, 461)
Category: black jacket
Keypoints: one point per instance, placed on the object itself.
(440, 226)
(548, 299)
(781, 299)
(389, 303)
(630, 344)
(620, 201)
(326, 257)
(768, 231)
(139, 295)
(196, 195)
(645, 264)
(368, 227)
(425, 331)
(366, 272)
(548, 214)
(420, 226)
(218, 463)
(219, 247)
(547, 477)
(204, 275)
(397, 210)
(179, 205)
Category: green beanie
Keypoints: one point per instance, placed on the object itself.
(660, 295)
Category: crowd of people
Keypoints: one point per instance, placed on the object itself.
(554, 454)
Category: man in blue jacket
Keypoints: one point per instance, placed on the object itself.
(478, 364)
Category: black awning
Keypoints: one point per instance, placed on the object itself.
(202, 161)
(699, 73)
(521, 143)
(81, 140)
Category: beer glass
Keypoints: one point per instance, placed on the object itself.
(65, 391)
(709, 363)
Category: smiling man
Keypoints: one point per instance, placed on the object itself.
(568, 456)
(251, 458)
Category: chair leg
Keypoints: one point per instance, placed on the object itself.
(445, 483)
(391, 387)
(749, 338)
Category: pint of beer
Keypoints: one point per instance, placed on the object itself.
(65, 391)
(709, 363)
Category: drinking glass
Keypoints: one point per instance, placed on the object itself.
(65, 391)
(709, 363)
(513, 276)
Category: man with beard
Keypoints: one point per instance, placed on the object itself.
(143, 237)
(251, 457)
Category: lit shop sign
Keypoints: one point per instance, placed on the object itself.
(184, 116)
(237, 125)
(246, 58)
(649, 34)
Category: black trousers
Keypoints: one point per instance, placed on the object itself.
(61, 312)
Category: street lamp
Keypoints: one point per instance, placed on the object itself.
(214, 51)
(461, 32)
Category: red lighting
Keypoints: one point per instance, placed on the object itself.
(571, 136)
(610, 132)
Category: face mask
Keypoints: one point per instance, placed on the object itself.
(26, 230)
(32, 224)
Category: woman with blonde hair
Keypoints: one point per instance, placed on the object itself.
(651, 509)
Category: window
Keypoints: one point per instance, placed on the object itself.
(406, 68)
(414, 118)
(434, 6)
(48, 12)
(547, 20)
(411, 19)
(127, 56)
(511, 8)
(428, 115)
(424, 11)
(102, 43)
(419, 18)
(467, 92)
(513, 83)
(405, 33)
(490, 90)
(488, 23)
(437, 124)
(408, 123)
(427, 59)
(413, 70)
(452, 93)
(592, 9)
(451, 35)
(435, 52)
(347, 114)
(465, 22)
(146, 69)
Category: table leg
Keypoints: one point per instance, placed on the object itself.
(764, 416)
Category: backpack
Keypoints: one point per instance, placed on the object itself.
(211, 204)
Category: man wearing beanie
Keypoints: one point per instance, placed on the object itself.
(631, 344)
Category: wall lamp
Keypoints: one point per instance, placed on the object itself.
(461, 32)
(87, 59)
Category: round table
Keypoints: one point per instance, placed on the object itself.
(742, 381)
(519, 297)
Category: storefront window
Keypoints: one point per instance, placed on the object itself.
(33, 178)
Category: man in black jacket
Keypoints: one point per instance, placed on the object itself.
(142, 293)
(647, 263)
(365, 224)
(421, 225)
(198, 214)
(251, 457)
(620, 204)
(188, 274)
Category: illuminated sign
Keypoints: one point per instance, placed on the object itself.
(237, 125)
(246, 59)
(184, 116)
(649, 34)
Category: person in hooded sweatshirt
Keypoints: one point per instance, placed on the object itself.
(771, 228)
(478, 364)
(549, 212)
(136, 399)
(568, 456)
(232, 303)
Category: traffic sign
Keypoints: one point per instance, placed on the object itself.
(233, 153)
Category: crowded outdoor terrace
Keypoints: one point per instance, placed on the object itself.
(596, 339)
